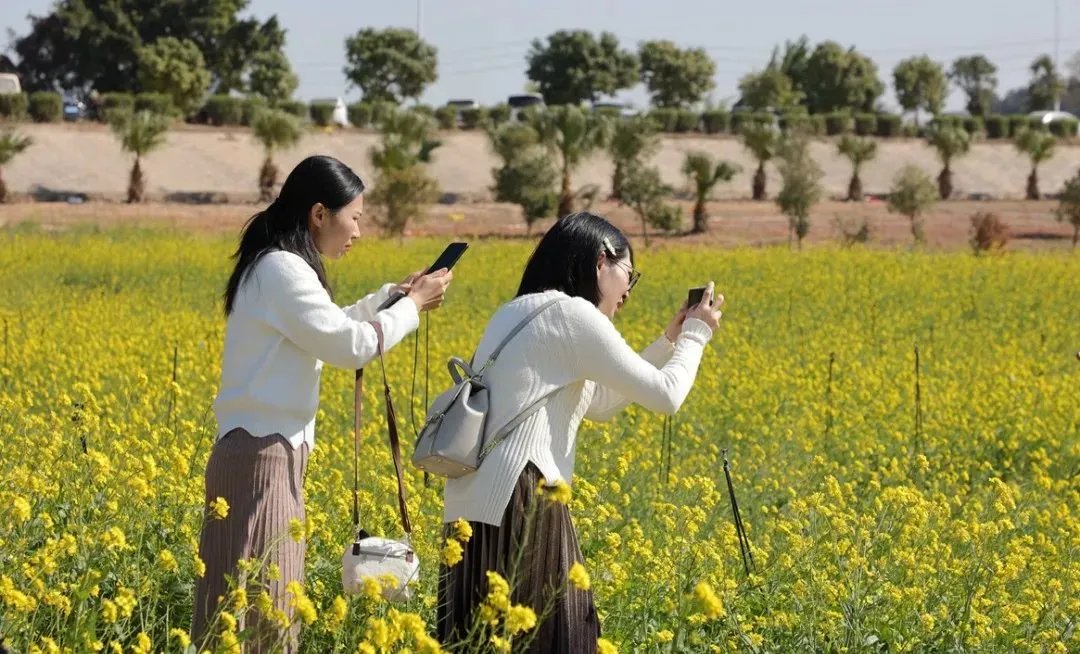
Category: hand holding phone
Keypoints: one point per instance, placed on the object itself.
(446, 261)
(694, 297)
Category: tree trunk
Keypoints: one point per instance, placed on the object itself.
(944, 181)
(136, 185)
(267, 180)
(566, 198)
(644, 225)
(1033, 184)
(3, 189)
(759, 182)
(617, 181)
(854, 190)
(1076, 235)
(701, 219)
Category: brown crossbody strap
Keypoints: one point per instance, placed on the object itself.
(395, 443)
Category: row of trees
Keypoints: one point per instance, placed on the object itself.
(188, 51)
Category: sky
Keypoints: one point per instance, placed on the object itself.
(482, 43)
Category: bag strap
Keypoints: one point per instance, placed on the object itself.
(509, 427)
(395, 443)
(514, 332)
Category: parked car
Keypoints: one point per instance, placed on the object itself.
(624, 110)
(74, 109)
(9, 83)
(518, 103)
(459, 107)
(1047, 117)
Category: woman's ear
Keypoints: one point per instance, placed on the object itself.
(317, 215)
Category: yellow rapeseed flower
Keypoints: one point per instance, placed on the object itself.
(451, 554)
(218, 508)
(579, 577)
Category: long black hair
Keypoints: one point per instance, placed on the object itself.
(284, 224)
(565, 259)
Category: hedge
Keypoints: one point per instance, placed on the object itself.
(46, 106)
(250, 106)
(838, 122)
(974, 125)
(665, 119)
(110, 101)
(997, 126)
(297, 108)
(157, 103)
(740, 119)
(471, 117)
(687, 121)
(499, 114)
(715, 121)
(359, 114)
(889, 126)
(795, 120)
(13, 105)
(446, 117)
(866, 124)
(224, 110)
(1064, 128)
(322, 113)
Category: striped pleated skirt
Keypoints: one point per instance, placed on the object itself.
(568, 623)
(261, 479)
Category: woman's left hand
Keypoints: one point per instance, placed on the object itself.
(674, 327)
(406, 284)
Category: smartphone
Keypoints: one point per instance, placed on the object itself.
(447, 259)
(695, 296)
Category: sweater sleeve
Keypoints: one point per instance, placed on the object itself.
(596, 351)
(364, 308)
(606, 403)
(300, 308)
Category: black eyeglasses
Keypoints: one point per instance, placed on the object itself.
(634, 275)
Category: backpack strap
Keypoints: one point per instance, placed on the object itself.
(514, 332)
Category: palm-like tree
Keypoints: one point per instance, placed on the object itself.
(406, 140)
(951, 143)
(11, 144)
(632, 141)
(705, 173)
(140, 133)
(275, 130)
(762, 141)
(573, 135)
(858, 151)
(1039, 147)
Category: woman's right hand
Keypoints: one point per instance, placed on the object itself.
(708, 311)
(429, 291)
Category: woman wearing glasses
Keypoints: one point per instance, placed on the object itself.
(571, 353)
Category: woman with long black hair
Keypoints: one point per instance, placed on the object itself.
(568, 351)
(282, 324)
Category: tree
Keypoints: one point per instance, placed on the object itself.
(976, 76)
(11, 144)
(801, 186)
(389, 65)
(272, 78)
(675, 77)
(402, 186)
(527, 177)
(761, 141)
(632, 141)
(920, 84)
(1069, 207)
(792, 62)
(1038, 145)
(94, 45)
(175, 68)
(573, 66)
(644, 191)
(1046, 87)
(838, 79)
(858, 151)
(769, 89)
(705, 173)
(911, 195)
(140, 133)
(573, 135)
(275, 130)
(951, 143)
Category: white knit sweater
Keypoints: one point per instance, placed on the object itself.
(572, 345)
(282, 328)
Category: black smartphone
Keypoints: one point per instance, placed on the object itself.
(447, 259)
(695, 296)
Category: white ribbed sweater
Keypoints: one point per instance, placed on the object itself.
(282, 327)
(572, 345)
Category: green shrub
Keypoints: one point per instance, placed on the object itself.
(866, 124)
(446, 117)
(46, 106)
(889, 125)
(424, 109)
(13, 105)
(499, 114)
(715, 121)
(224, 110)
(687, 121)
(156, 103)
(123, 101)
(910, 130)
(974, 125)
(471, 117)
(322, 113)
(666, 120)
(1017, 124)
(250, 106)
(359, 114)
(610, 112)
(997, 126)
(797, 121)
(297, 108)
(1063, 128)
(838, 122)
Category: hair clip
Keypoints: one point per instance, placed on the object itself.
(609, 249)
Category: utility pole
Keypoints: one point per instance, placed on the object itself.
(1057, 52)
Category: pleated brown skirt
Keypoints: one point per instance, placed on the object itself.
(571, 625)
(262, 480)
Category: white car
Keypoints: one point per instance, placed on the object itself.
(1047, 117)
